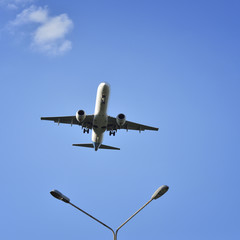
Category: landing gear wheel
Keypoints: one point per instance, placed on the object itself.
(86, 130)
(112, 133)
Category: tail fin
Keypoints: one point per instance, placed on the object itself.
(90, 145)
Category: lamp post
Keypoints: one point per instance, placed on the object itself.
(158, 193)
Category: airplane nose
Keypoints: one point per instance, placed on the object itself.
(105, 85)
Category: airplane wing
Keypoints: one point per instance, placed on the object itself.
(87, 122)
(112, 125)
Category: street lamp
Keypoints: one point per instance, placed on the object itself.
(157, 194)
(60, 196)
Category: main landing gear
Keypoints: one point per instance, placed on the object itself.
(86, 130)
(113, 132)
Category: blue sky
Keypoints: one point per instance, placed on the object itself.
(171, 64)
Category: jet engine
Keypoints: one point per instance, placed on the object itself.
(121, 119)
(80, 116)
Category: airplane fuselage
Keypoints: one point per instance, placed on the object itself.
(100, 119)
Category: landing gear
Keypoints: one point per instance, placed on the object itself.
(86, 130)
(113, 132)
(103, 99)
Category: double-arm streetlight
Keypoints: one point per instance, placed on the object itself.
(158, 193)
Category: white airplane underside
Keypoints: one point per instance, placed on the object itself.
(100, 122)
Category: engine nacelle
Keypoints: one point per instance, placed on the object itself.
(80, 115)
(121, 119)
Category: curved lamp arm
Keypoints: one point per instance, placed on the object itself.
(55, 193)
(133, 215)
(157, 194)
(92, 217)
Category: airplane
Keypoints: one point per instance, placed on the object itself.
(100, 122)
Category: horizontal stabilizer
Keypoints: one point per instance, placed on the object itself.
(90, 145)
(108, 147)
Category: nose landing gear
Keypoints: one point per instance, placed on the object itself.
(103, 99)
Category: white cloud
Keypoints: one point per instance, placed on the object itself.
(12, 6)
(54, 48)
(65, 46)
(55, 28)
(50, 36)
(15, 4)
(31, 14)
(23, 1)
(50, 32)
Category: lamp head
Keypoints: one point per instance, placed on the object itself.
(159, 192)
(59, 196)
